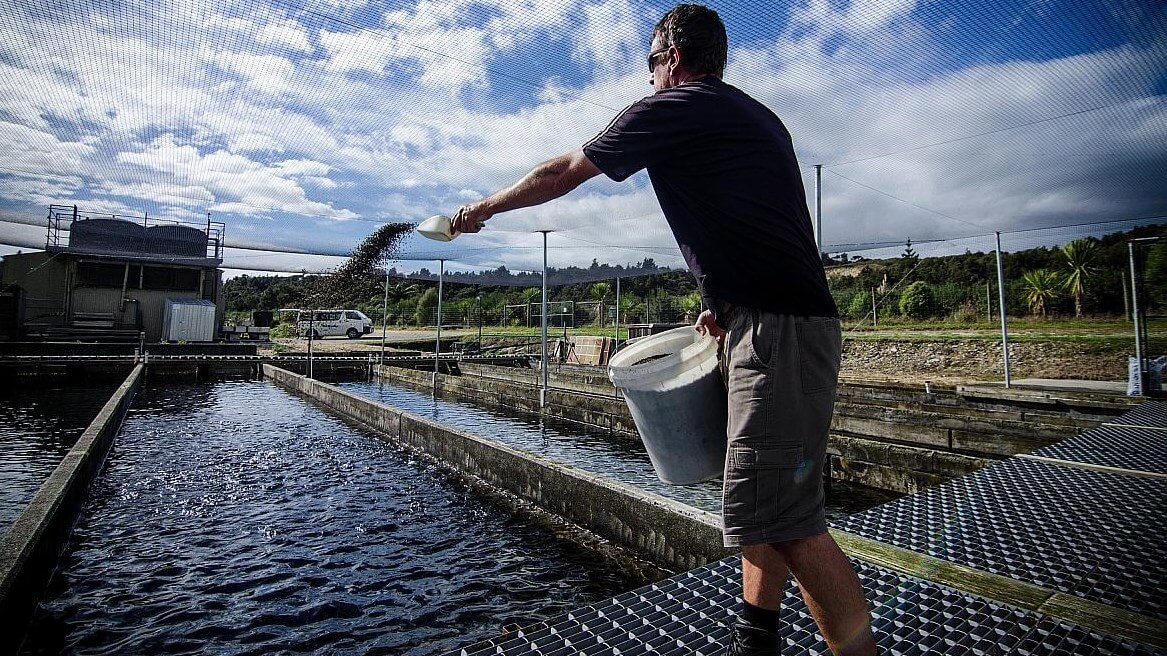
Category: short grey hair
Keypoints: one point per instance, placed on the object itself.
(697, 31)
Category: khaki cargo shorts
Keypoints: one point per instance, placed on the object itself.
(781, 372)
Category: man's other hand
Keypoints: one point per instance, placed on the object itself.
(707, 326)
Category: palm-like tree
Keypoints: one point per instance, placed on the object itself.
(399, 290)
(599, 292)
(691, 305)
(1081, 254)
(1041, 287)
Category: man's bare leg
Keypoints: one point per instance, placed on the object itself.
(828, 582)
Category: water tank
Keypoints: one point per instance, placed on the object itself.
(178, 240)
(107, 236)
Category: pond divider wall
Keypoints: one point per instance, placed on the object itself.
(668, 532)
(895, 437)
(30, 549)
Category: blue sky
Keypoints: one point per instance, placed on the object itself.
(305, 125)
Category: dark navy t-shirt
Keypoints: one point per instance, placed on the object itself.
(724, 171)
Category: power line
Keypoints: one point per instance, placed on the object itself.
(907, 202)
(975, 136)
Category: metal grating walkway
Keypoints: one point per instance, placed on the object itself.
(1125, 447)
(1151, 413)
(1094, 535)
(689, 614)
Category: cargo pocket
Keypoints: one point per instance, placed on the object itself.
(759, 484)
(820, 346)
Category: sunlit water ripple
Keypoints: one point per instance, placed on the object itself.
(234, 518)
(38, 426)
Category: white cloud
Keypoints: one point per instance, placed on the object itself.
(611, 36)
(302, 167)
(358, 51)
(231, 183)
(868, 15)
(401, 121)
(34, 151)
(288, 34)
(269, 74)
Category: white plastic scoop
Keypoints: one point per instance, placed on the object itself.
(438, 228)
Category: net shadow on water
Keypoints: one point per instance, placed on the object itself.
(236, 518)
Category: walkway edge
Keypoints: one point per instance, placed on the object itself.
(1090, 614)
(1088, 466)
(29, 551)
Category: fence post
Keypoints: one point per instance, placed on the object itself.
(874, 310)
(616, 345)
(1004, 323)
(384, 318)
(543, 328)
(438, 340)
(1126, 299)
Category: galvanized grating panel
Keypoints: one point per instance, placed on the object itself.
(1093, 535)
(1140, 449)
(689, 614)
(1150, 413)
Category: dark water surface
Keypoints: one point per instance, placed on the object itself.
(38, 426)
(587, 448)
(234, 518)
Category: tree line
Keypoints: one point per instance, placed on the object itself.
(1084, 277)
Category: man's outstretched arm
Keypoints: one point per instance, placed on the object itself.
(545, 182)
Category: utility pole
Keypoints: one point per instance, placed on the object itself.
(818, 208)
(384, 318)
(1004, 323)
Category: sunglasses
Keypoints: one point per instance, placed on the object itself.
(652, 58)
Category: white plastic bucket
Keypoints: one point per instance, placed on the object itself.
(673, 387)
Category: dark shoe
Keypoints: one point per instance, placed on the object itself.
(746, 640)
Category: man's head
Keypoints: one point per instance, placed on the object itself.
(688, 42)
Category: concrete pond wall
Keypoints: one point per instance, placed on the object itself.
(667, 532)
(32, 545)
(893, 437)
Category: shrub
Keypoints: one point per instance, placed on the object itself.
(917, 301)
(859, 306)
(285, 330)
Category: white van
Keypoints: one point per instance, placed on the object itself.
(333, 323)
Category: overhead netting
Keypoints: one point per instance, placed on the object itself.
(305, 127)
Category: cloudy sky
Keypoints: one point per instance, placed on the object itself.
(304, 125)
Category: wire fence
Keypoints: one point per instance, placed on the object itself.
(945, 282)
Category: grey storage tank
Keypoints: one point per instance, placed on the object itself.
(177, 240)
(107, 236)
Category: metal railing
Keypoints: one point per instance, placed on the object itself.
(131, 236)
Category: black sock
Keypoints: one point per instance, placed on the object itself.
(761, 618)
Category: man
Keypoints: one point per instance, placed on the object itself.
(723, 168)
